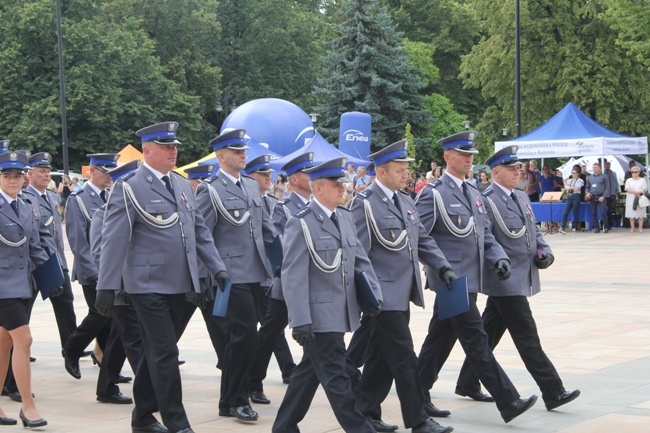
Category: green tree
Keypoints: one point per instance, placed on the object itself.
(366, 69)
(630, 19)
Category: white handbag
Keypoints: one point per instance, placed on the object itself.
(644, 201)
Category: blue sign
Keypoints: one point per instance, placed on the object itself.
(354, 135)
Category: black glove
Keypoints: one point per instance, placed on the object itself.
(104, 302)
(221, 278)
(503, 269)
(57, 291)
(546, 261)
(372, 311)
(207, 294)
(447, 275)
(302, 334)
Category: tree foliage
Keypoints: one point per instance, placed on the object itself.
(366, 70)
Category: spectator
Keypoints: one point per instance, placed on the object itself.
(558, 181)
(523, 182)
(421, 183)
(437, 173)
(470, 179)
(363, 180)
(483, 181)
(573, 187)
(65, 189)
(614, 189)
(628, 173)
(434, 165)
(547, 181)
(635, 187)
(75, 184)
(532, 187)
(279, 187)
(597, 194)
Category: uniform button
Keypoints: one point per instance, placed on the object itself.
(22, 267)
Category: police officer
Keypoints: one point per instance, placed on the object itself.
(391, 233)
(47, 202)
(321, 255)
(217, 326)
(453, 212)
(234, 212)
(79, 209)
(20, 246)
(152, 238)
(259, 168)
(513, 226)
(597, 192)
(125, 339)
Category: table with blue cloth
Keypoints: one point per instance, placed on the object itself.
(553, 211)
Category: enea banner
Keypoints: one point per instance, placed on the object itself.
(578, 147)
(354, 135)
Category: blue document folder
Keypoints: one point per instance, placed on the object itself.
(275, 255)
(221, 300)
(365, 295)
(49, 276)
(455, 301)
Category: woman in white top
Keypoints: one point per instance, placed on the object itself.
(572, 186)
(635, 187)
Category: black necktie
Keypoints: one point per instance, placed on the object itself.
(466, 193)
(168, 184)
(396, 201)
(101, 194)
(266, 204)
(14, 206)
(514, 198)
(335, 220)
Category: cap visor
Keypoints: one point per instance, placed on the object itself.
(237, 147)
(164, 142)
(472, 150)
(405, 159)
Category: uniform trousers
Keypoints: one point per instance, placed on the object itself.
(513, 313)
(124, 342)
(63, 307)
(271, 339)
(358, 347)
(468, 329)
(324, 362)
(391, 355)
(94, 325)
(157, 383)
(217, 328)
(242, 333)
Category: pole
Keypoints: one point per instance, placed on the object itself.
(64, 121)
(517, 73)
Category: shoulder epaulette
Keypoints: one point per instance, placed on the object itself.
(210, 179)
(247, 176)
(365, 193)
(469, 184)
(487, 192)
(285, 201)
(271, 196)
(343, 208)
(403, 192)
(82, 190)
(435, 183)
(127, 176)
(303, 212)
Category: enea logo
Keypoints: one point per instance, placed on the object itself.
(355, 135)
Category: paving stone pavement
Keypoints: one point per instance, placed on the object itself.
(592, 315)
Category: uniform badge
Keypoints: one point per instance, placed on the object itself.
(459, 220)
(410, 214)
(13, 156)
(392, 234)
(236, 213)
(384, 199)
(159, 217)
(184, 198)
(149, 178)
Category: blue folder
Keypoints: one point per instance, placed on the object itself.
(275, 255)
(365, 295)
(221, 300)
(455, 301)
(49, 276)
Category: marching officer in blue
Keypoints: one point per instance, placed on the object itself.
(47, 202)
(125, 340)
(321, 256)
(234, 212)
(79, 210)
(513, 226)
(152, 239)
(389, 229)
(270, 336)
(20, 247)
(453, 212)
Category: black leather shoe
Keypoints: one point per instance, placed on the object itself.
(517, 407)
(86, 353)
(186, 430)
(433, 411)
(124, 379)
(32, 359)
(72, 365)
(181, 362)
(15, 396)
(118, 398)
(244, 413)
(259, 397)
(381, 426)
(475, 395)
(430, 426)
(8, 421)
(28, 423)
(224, 412)
(561, 399)
(151, 428)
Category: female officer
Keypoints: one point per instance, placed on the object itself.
(19, 242)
